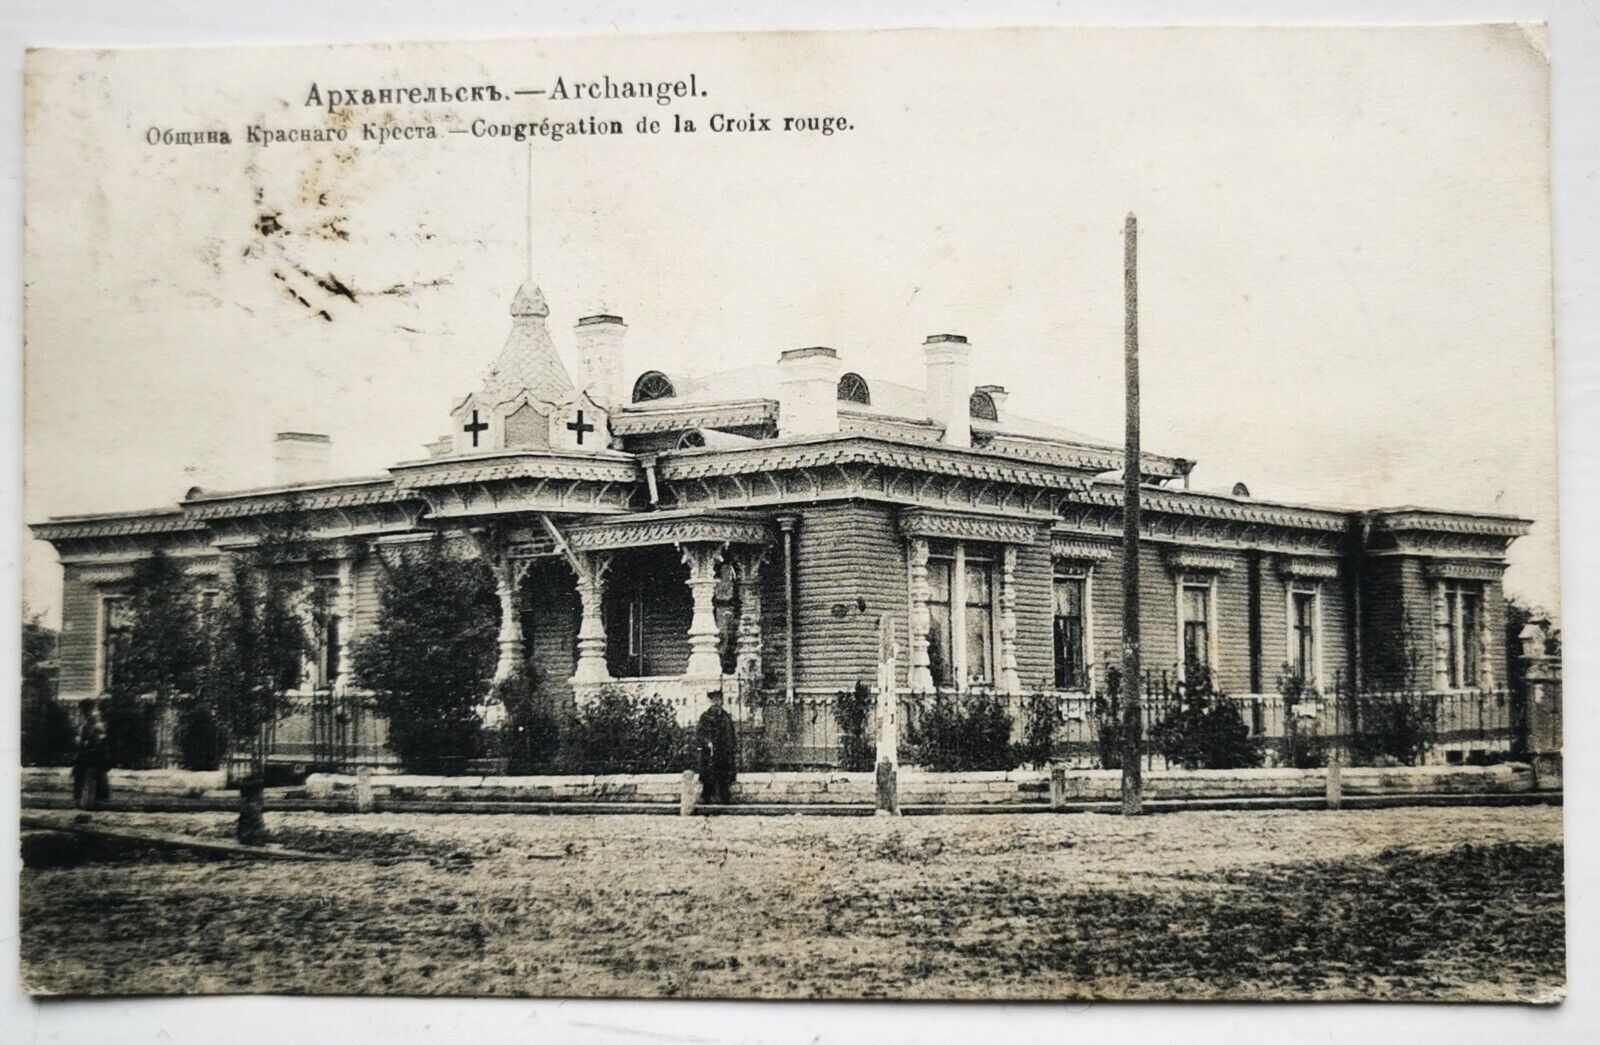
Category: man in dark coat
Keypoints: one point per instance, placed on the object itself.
(718, 752)
(91, 768)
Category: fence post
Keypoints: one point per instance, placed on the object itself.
(686, 796)
(1542, 678)
(888, 789)
(364, 802)
(1335, 779)
(1058, 787)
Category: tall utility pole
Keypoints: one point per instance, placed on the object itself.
(1132, 784)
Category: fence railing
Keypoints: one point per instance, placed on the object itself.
(1079, 730)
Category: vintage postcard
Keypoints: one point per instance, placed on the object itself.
(922, 514)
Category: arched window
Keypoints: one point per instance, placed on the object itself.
(652, 384)
(981, 406)
(853, 389)
(692, 439)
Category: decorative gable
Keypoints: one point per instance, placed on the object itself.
(475, 427)
(580, 424)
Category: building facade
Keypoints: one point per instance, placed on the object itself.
(770, 531)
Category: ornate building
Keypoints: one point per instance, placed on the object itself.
(758, 531)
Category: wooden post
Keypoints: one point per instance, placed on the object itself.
(888, 790)
(686, 797)
(1132, 783)
(1058, 787)
(1335, 779)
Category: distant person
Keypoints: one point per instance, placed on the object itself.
(91, 768)
(718, 751)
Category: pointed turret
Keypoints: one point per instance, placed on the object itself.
(528, 360)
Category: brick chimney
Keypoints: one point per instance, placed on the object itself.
(808, 390)
(949, 393)
(599, 339)
(301, 457)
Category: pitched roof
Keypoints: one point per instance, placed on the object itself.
(529, 358)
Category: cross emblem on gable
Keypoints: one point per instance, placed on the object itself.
(474, 427)
(579, 427)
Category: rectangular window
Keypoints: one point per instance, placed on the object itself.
(116, 633)
(979, 619)
(1070, 626)
(1303, 632)
(326, 628)
(1460, 638)
(941, 645)
(1196, 602)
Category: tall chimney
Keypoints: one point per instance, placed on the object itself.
(599, 340)
(301, 457)
(808, 391)
(948, 391)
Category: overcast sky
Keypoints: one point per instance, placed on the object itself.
(1345, 250)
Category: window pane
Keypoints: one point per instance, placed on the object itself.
(939, 643)
(1469, 638)
(939, 581)
(980, 639)
(1069, 633)
(1196, 603)
(978, 584)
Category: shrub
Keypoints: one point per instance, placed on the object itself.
(621, 733)
(1303, 745)
(49, 734)
(1390, 727)
(199, 738)
(130, 730)
(531, 735)
(1040, 715)
(1108, 721)
(1203, 729)
(955, 734)
(851, 712)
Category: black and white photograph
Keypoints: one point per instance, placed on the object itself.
(1009, 514)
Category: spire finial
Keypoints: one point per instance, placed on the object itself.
(529, 301)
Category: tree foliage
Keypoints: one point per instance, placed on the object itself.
(431, 653)
(851, 713)
(47, 726)
(622, 733)
(257, 635)
(1204, 729)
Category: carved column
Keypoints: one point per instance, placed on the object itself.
(1009, 682)
(345, 610)
(918, 676)
(591, 568)
(702, 561)
(747, 651)
(1441, 639)
(508, 574)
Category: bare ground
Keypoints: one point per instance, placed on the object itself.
(1459, 903)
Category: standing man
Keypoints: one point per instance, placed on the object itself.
(91, 768)
(718, 752)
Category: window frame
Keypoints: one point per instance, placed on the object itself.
(1311, 672)
(1083, 574)
(102, 634)
(842, 390)
(666, 382)
(958, 556)
(1208, 582)
(1464, 650)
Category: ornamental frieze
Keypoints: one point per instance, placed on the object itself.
(1463, 570)
(646, 530)
(1080, 549)
(1197, 560)
(921, 522)
(1302, 568)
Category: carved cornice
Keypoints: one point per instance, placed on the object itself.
(1229, 509)
(1197, 560)
(643, 530)
(923, 522)
(1080, 549)
(130, 524)
(1463, 570)
(1302, 568)
(119, 572)
(880, 426)
(1199, 531)
(357, 494)
(516, 465)
(570, 496)
(648, 420)
(1404, 520)
(1078, 455)
(836, 451)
